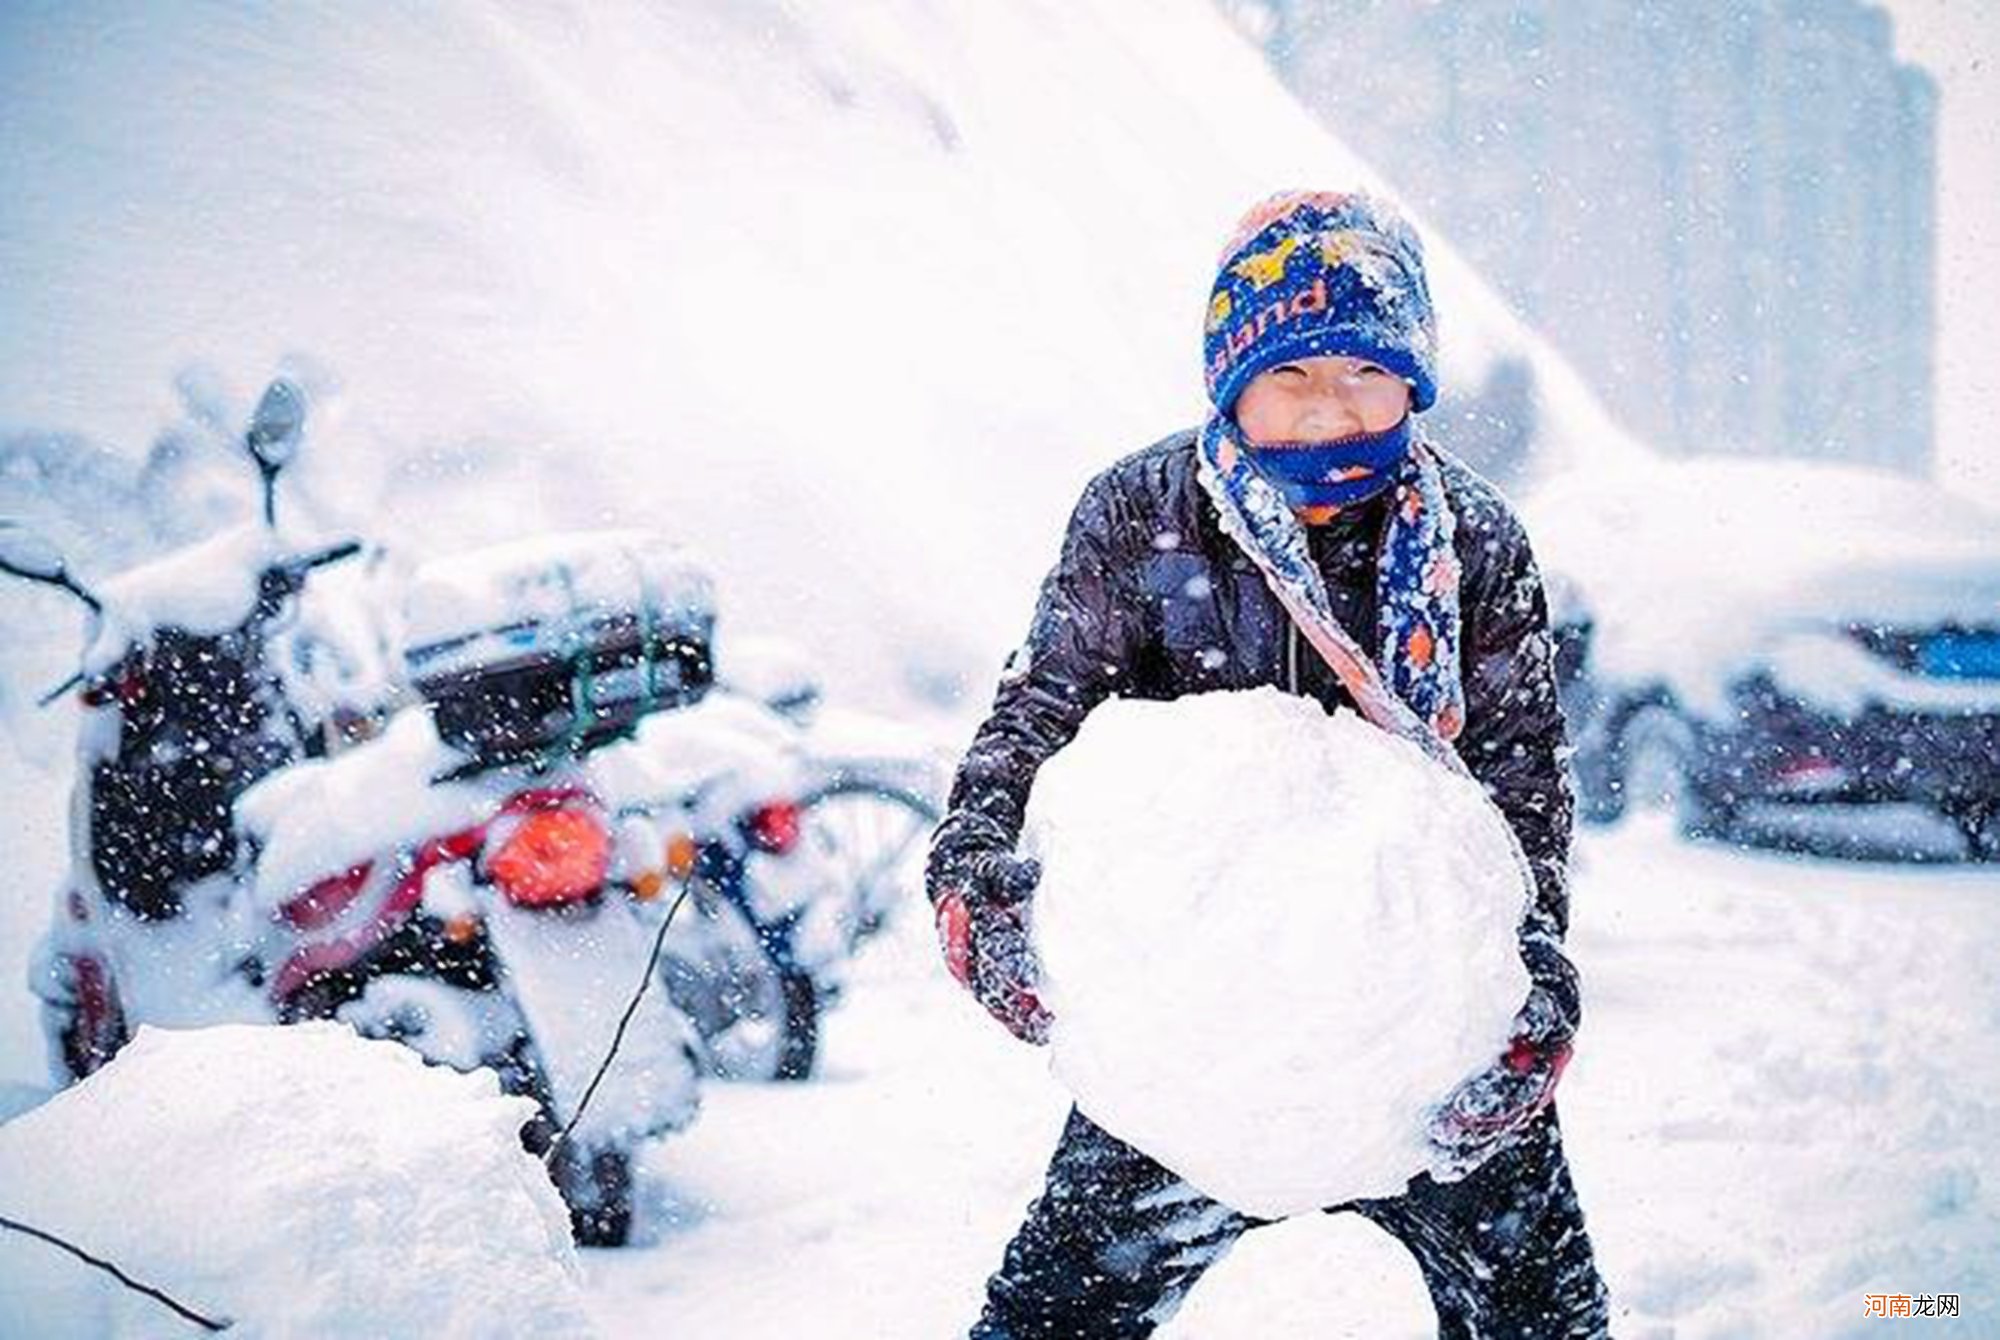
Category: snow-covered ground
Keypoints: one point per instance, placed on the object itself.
(1786, 1097)
(1784, 1100)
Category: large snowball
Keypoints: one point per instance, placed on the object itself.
(1271, 938)
(301, 1181)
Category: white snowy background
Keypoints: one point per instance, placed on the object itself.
(854, 298)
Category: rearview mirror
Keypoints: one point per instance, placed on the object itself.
(277, 425)
(273, 436)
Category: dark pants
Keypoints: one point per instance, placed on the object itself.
(1115, 1241)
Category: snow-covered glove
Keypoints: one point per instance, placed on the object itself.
(1486, 1112)
(982, 924)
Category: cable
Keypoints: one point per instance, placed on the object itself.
(618, 1038)
(187, 1313)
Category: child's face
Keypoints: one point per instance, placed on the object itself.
(1320, 400)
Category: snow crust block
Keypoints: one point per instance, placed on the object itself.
(302, 1181)
(1271, 938)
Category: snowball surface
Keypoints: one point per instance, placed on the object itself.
(1271, 939)
(302, 1181)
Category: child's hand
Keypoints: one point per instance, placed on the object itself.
(1486, 1112)
(982, 928)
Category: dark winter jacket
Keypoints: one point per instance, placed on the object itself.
(1150, 599)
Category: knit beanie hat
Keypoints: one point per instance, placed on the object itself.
(1315, 272)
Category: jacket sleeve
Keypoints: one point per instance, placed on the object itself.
(1514, 741)
(1080, 649)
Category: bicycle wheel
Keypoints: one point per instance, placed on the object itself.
(719, 974)
(874, 835)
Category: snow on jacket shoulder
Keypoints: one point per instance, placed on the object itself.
(1149, 599)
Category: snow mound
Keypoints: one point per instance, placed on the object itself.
(1271, 938)
(302, 1181)
(510, 370)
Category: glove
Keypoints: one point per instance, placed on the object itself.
(982, 927)
(1485, 1113)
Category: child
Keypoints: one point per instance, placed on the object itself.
(1309, 536)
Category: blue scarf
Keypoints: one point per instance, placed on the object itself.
(1414, 689)
(1340, 473)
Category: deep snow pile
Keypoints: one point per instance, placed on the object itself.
(1272, 938)
(828, 292)
(302, 1181)
(556, 254)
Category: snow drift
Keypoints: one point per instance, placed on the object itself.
(301, 1181)
(851, 298)
(827, 291)
(1272, 938)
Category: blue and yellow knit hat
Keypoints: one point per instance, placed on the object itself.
(1316, 272)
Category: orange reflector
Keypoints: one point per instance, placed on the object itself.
(682, 851)
(646, 885)
(462, 930)
(555, 856)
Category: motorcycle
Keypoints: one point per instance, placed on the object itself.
(190, 691)
(473, 882)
